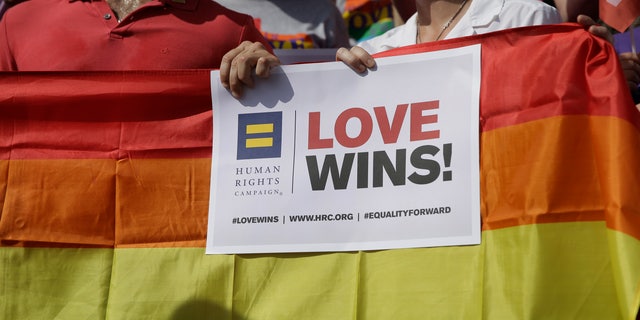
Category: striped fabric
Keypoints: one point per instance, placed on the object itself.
(104, 188)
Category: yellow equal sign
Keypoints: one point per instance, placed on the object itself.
(259, 142)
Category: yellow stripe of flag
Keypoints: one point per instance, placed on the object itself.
(259, 142)
(259, 128)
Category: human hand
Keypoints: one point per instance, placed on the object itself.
(595, 29)
(238, 65)
(357, 58)
(631, 68)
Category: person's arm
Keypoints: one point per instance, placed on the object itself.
(630, 63)
(357, 58)
(238, 65)
(594, 28)
(253, 55)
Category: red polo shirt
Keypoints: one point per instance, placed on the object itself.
(64, 35)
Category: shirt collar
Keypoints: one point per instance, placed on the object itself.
(188, 5)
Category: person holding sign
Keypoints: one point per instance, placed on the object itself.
(120, 35)
(446, 19)
(477, 20)
(435, 20)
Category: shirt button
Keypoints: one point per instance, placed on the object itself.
(107, 16)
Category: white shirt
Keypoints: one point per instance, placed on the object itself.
(483, 16)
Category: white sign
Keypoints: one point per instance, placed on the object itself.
(320, 158)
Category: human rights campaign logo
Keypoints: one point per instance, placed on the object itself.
(259, 135)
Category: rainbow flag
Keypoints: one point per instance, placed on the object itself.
(104, 189)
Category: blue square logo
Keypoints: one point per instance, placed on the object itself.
(259, 135)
